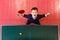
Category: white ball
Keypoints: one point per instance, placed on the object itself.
(20, 33)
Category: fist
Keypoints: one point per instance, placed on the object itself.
(47, 14)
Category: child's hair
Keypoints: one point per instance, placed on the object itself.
(34, 8)
(21, 11)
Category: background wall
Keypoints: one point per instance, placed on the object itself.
(9, 8)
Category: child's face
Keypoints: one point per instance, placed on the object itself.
(34, 13)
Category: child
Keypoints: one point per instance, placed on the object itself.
(34, 17)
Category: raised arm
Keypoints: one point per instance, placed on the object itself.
(21, 13)
(44, 15)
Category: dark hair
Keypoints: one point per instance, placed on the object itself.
(21, 11)
(34, 8)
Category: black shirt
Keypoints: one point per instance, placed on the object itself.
(31, 20)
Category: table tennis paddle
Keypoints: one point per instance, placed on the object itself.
(21, 11)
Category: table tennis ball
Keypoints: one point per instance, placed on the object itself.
(20, 33)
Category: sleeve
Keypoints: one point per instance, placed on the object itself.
(41, 16)
(26, 16)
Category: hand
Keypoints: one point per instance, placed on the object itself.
(47, 14)
(21, 13)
